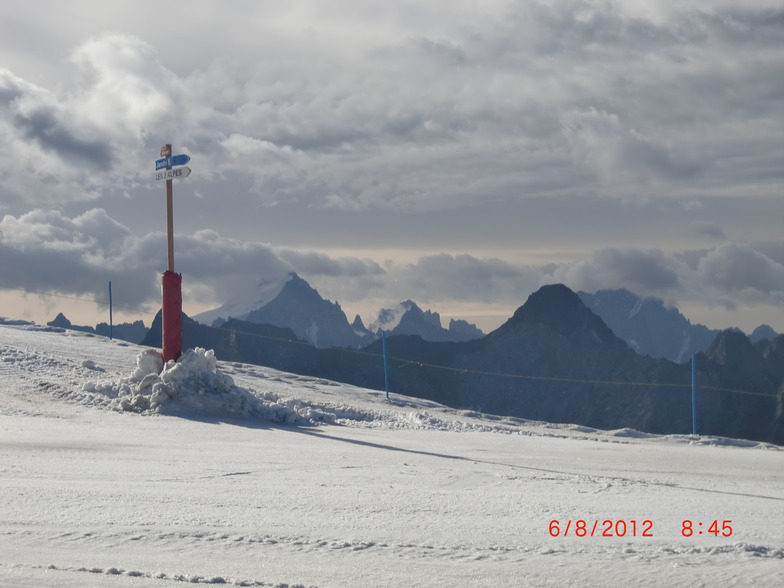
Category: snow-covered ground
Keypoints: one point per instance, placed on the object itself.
(223, 473)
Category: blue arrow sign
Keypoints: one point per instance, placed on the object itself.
(172, 161)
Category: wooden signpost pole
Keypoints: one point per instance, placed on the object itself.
(169, 210)
(171, 282)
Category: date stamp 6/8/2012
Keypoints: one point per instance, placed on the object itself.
(634, 528)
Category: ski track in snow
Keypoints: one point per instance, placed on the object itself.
(345, 488)
(409, 551)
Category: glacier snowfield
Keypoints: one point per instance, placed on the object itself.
(112, 474)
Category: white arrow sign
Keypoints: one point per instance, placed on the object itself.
(173, 174)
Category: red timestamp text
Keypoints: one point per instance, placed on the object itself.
(696, 528)
(601, 528)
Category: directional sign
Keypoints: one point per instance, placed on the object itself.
(171, 161)
(173, 174)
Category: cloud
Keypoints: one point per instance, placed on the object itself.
(729, 275)
(80, 142)
(601, 142)
(605, 127)
(13, 87)
(737, 268)
(38, 148)
(48, 251)
(45, 250)
(43, 127)
(463, 278)
(93, 231)
(707, 229)
(319, 264)
(419, 111)
(644, 271)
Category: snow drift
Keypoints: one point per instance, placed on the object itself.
(195, 386)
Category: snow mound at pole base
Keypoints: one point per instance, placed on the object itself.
(194, 386)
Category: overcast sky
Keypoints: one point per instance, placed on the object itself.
(457, 153)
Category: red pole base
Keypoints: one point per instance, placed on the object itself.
(171, 316)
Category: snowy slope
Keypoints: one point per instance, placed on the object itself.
(242, 475)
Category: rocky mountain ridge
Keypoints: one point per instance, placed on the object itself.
(295, 304)
(651, 328)
(553, 360)
(133, 332)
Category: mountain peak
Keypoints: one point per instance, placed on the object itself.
(560, 309)
(732, 345)
(464, 331)
(358, 324)
(554, 303)
(60, 321)
(301, 308)
(240, 307)
(763, 332)
(301, 289)
(648, 325)
(407, 318)
(293, 280)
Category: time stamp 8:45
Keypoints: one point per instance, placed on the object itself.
(634, 528)
(689, 528)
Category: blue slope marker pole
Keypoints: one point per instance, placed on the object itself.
(111, 322)
(386, 365)
(693, 397)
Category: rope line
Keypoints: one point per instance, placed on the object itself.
(410, 362)
(407, 362)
